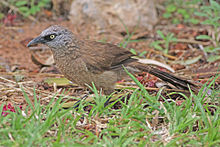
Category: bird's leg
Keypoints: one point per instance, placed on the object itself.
(76, 105)
(109, 93)
(108, 100)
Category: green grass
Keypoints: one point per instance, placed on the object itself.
(140, 120)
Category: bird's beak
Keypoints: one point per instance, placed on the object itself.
(35, 41)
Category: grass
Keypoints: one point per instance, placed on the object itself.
(139, 120)
(135, 119)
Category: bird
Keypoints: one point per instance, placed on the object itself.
(85, 62)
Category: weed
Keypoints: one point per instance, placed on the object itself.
(30, 7)
(167, 39)
(141, 120)
(212, 18)
(128, 39)
(26, 7)
(182, 11)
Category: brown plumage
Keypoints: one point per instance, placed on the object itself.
(84, 62)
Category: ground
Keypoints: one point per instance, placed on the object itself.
(17, 64)
(23, 72)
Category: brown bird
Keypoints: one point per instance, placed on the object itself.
(84, 61)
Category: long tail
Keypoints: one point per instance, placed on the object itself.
(167, 77)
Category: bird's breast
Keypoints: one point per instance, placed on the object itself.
(74, 70)
(77, 72)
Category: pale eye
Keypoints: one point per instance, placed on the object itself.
(52, 37)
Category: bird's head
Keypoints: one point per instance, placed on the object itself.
(56, 37)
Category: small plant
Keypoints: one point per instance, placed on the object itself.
(182, 10)
(137, 53)
(128, 39)
(31, 7)
(1, 15)
(25, 7)
(167, 39)
(211, 14)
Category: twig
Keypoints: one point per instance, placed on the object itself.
(33, 74)
(154, 89)
(192, 41)
(206, 73)
(203, 50)
(161, 53)
(7, 80)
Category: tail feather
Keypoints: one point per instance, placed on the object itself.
(167, 77)
(176, 81)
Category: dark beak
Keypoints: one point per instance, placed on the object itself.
(35, 41)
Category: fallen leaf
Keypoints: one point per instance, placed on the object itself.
(59, 81)
(189, 61)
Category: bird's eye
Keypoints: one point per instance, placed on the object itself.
(50, 37)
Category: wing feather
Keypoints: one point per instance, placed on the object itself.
(100, 57)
